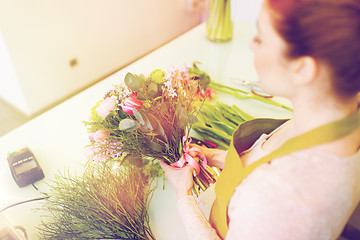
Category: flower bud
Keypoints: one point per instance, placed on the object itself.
(129, 103)
(210, 93)
(91, 136)
(100, 135)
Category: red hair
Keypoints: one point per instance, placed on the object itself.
(327, 30)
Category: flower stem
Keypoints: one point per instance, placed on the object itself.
(219, 26)
(245, 95)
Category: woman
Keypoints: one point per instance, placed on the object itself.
(309, 52)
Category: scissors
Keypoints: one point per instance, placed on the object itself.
(253, 87)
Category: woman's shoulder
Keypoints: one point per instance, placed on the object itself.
(307, 175)
(317, 161)
(312, 167)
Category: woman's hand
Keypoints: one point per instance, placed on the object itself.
(180, 178)
(215, 157)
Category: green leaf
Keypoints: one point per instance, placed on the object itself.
(133, 82)
(139, 117)
(155, 146)
(160, 131)
(128, 124)
(153, 90)
(94, 116)
(211, 131)
(158, 76)
(222, 143)
(223, 127)
(183, 118)
(193, 119)
(136, 161)
(243, 114)
(152, 123)
(202, 77)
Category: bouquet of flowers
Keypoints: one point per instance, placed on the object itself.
(148, 118)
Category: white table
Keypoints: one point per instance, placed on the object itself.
(58, 136)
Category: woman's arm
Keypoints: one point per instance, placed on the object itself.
(181, 179)
(194, 221)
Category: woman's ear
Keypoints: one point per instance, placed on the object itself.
(305, 70)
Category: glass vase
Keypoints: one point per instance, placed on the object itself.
(219, 27)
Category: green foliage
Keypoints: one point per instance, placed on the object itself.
(106, 202)
(158, 76)
(197, 74)
(217, 122)
(94, 117)
(135, 83)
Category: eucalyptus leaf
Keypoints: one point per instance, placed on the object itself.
(156, 146)
(126, 159)
(183, 118)
(133, 159)
(152, 90)
(158, 76)
(153, 125)
(136, 160)
(133, 82)
(127, 124)
(147, 122)
(160, 131)
(139, 117)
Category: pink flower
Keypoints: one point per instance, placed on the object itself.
(129, 103)
(210, 92)
(100, 135)
(94, 153)
(106, 106)
(202, 93)
(91, 136)
(98, 152)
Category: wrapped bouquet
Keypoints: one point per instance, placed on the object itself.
(148, 118)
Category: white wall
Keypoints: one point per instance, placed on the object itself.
(42, 36)
(10, 89)
(245, 10)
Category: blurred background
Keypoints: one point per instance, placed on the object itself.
(51, 50)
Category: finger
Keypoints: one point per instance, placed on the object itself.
(193, 154)
(194, 145)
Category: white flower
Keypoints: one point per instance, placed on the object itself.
(169, 76)
(124, 92)
(106, 106)
(168, 84)
(172, 93)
